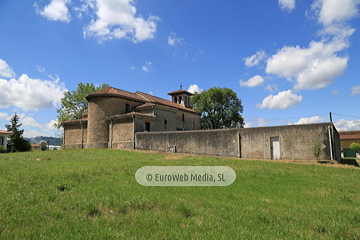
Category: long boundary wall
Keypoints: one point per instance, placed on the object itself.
(295, 141)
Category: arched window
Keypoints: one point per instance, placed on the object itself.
(180, 99)
(175, 98)
(183, 117)
(127, 108)
(165, 121)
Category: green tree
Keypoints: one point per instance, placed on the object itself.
(43, 146)
(74, 103)
(355, 146)
(219, 108)
(17, 143)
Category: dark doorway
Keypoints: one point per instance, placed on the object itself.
(147, 126)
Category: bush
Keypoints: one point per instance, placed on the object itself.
(2, 149)
(43, 146)
(316, 150)
(355, 146)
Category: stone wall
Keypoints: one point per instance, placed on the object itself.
(211, 142)
(121, 133)
(189, 121)
(295, 141)
(98, 109)
(75, 135)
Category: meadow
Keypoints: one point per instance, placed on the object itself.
(93, 194)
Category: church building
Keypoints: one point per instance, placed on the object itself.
(114, 116)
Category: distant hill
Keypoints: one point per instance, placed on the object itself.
(51, 140)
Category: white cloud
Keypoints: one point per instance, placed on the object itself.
(317, 65)
(151, 93)
(5, 70)
(40, 68)
(30, 133)
(54, 77)
(313, 67)
(28, 121)
(252, 82)
(57, 10)
(282, 100)
(3, 115)
(335, 92)
(272, 88)
(145, 68)
(50, 125)
(28, 93)
(314, 119)
(255, 59)
(262, 122)
(173, 39)
(335, 11)
(355, 90)
(118, 19)
(194, 89)
(287, 5)
(320, 73)
(198, 54)
(132, 68)
(347, 125)
(247, 125)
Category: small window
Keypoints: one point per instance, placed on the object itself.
(1, 140)
(147, 126)
(175, 98)
(183, 117)
(165, 122)
(127, 107)
(180, 99)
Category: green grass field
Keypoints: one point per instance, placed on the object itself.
(93, 194)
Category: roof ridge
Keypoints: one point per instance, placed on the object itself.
(153, 96)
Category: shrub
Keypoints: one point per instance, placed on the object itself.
(355, 146)
(2, 149)
(43, 146)
(316, 150)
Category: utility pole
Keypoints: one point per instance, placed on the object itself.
(330, 116)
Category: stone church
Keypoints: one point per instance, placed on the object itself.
(114, 116)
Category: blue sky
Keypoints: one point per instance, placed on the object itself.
(289, 61)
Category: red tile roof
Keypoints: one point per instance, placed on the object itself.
(350, 137)
(5, 132)
(179, 91)
(162, 101)
(146, 99)
(115, 91)
(77, 120)
(152, 104)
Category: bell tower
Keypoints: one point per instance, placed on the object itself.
(181, 97)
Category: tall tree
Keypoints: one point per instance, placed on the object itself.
(74, 103)
(219, 108)
(17, 142)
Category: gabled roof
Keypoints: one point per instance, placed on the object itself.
(116, 92)
(162, 101)
(179, 91)
(6, 132)
(147, 100)
(149, 104)
(77, 120)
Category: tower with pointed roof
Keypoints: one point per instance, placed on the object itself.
(181, 97)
